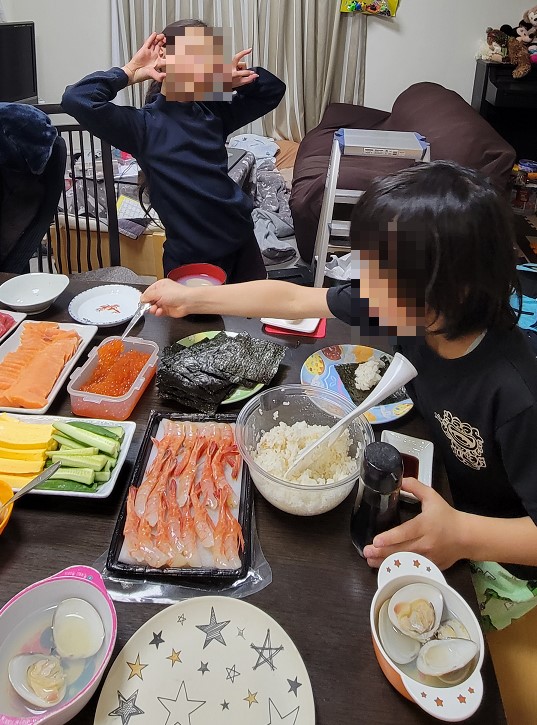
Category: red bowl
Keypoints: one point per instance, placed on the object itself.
(201, 270)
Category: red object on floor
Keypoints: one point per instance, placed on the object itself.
(320, 331)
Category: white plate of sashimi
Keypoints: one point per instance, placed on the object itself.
(188, 509)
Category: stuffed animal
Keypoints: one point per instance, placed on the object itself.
(519, 56)
(517, 47)
(530, 16)
(524, 32)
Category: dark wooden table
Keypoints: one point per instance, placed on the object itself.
(321, 590)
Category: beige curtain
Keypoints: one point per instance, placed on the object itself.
(317, 50)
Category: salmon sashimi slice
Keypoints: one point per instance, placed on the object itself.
(28, 374)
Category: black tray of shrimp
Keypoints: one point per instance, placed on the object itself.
(187, 512)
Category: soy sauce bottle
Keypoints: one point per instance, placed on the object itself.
(377, 503)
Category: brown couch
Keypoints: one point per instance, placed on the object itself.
(452, 127)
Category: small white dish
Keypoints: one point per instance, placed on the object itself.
(32, 293)
(420, 449)
(307, 325)
(17, 317)
(105, 306)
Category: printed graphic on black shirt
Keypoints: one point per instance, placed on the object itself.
(466, 441)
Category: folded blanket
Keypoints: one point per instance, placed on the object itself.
(26, 138)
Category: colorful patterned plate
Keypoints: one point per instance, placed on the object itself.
(240, 393)
(105, 306)
(207, 661)
(320, 370)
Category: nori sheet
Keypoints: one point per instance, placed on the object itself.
(347, 371)
(203, 375)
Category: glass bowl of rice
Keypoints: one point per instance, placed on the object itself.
(278, 424)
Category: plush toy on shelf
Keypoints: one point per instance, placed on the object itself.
(517, 52)
(530, 16)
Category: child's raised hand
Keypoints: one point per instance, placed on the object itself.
(434, 533)
(146, 64)
(240, 74)
(167, 298)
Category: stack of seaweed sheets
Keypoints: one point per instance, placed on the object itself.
(203, 375)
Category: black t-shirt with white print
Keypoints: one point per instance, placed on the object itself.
(482, 413)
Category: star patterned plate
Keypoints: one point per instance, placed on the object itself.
(204, 661)
(320, 371)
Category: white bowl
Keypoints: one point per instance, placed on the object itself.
(450, 703)
(76, 582)
(290, 404)
(421, 449)
(34, 292)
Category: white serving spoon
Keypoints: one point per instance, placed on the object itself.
(399, 372)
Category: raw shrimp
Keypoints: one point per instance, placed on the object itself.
(152, 475)
(219, 477)
(207, 482)
(169, 530)
(152, 505)
(202, 521)
(132, 522)
(228, 539)
(148, 552)
(188, 537)
(186, 479)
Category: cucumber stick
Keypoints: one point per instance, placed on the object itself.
(67, 442)
(102, 476)
(91, 439)
(97, 429)
(96, 463)
(79, 475)
(74, 452)
(118, 430)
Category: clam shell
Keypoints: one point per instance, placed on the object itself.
(416, 610)
(399, 648)
(440, 657)
(452, 629)
(19, 676)
(77, 629)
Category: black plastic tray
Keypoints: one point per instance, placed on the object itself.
(183, 575)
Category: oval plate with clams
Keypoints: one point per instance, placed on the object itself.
(321, 370)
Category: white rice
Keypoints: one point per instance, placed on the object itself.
(280, 446)
(367, 374)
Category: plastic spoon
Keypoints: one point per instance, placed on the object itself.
(140, 312)
(47, 473)
(399, 372)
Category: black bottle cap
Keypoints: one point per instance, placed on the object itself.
(382, 467)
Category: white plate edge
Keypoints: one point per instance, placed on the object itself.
(424, 456)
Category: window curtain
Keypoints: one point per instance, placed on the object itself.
(318, 51)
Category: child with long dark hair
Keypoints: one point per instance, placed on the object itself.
(179, 139)
(436, 250)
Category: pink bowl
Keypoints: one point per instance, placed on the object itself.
(77, 581)
(210, 272)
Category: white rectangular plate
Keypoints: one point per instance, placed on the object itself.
(106, 489)
(420, 449)
(18, 317)
(86, 332)
(307, 325)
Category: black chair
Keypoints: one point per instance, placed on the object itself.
(50, 183)
(72, 244)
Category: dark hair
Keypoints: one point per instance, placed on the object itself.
(449, 237)
(172, 30)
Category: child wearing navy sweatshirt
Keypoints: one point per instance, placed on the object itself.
(179, 142)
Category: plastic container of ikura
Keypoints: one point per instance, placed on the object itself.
(92, 405)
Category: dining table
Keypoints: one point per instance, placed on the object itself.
(321, 589)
